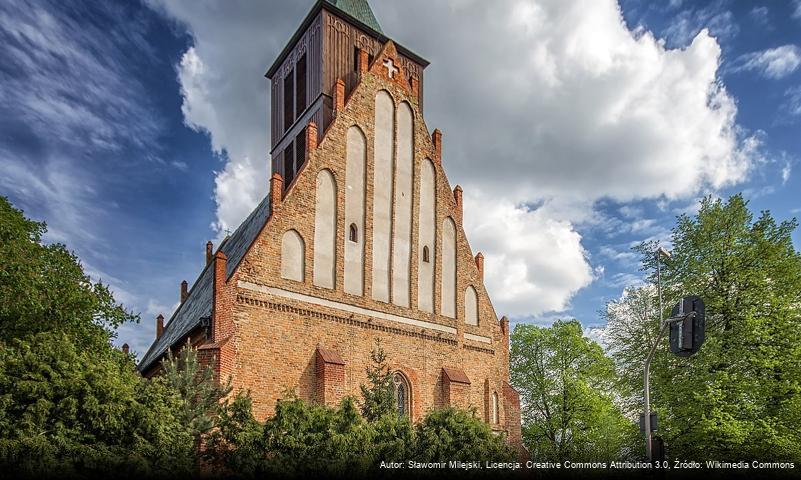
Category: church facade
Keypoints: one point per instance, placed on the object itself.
(359, 238)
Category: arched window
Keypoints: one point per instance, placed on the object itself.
(426, 255)
(495, 413)
(402, 394)
(353, 233)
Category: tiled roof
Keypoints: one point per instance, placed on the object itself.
(360, 10)
(198, 304)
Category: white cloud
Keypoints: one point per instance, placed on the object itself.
(596, 333)
(786, 170)
(772, 63)
(797, 9)
(793, 105)
(687, 24)
(534, 263)
(225, 93)
(540, 101)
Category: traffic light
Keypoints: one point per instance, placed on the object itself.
(687, 327)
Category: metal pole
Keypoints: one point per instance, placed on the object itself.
(647, 368)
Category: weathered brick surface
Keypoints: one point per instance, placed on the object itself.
(329, 377)
(277, 338)
(272, 344)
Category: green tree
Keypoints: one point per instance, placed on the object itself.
(454, 434)
(632, 324)
(236, 444)
(303, 440)
(739, 396)
(43, 288)
(69, 402)
(77, 412)
(200, 392)
(378, 397)
(566, 385)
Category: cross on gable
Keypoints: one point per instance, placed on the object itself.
(391, 68)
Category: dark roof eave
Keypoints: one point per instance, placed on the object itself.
(317, 8)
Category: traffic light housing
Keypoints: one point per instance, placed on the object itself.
(687, 327)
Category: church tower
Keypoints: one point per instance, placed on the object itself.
(358, 240)
(324, 49)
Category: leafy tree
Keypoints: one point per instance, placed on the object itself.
(68, 410)
(378, 395)
(454, 434)
(69, 402)
(43, 288)
(632, 324)
(740, 395)
(237, 442)
(200, 393)
(303, 439)
(567, 393)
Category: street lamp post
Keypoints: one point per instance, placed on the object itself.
(647, 368)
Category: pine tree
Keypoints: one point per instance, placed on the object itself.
(379, 394)
(199, 391)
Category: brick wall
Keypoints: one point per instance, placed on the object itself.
(276, 339)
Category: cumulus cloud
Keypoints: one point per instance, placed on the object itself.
(535, 263)
(225, 93)
(542, 103)
(771, 63)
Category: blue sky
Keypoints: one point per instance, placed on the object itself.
(138, 131)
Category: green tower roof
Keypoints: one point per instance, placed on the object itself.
(360, 10)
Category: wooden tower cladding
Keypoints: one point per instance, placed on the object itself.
(323, 50)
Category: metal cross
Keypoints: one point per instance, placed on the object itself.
(391, 68)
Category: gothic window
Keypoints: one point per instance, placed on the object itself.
(495, 412)
(402, 394)
(353, 233)
(426, 255)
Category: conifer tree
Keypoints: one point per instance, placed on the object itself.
(200, 392)
(379, 393)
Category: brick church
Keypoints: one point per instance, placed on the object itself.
(359, 237)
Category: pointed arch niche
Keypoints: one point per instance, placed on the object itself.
(355, 168)
(293, 256)
(382, 194)
(325, 218)
(427, 235)
(470, 306)
(448, 286)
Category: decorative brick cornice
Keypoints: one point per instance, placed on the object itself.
(368, 324)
